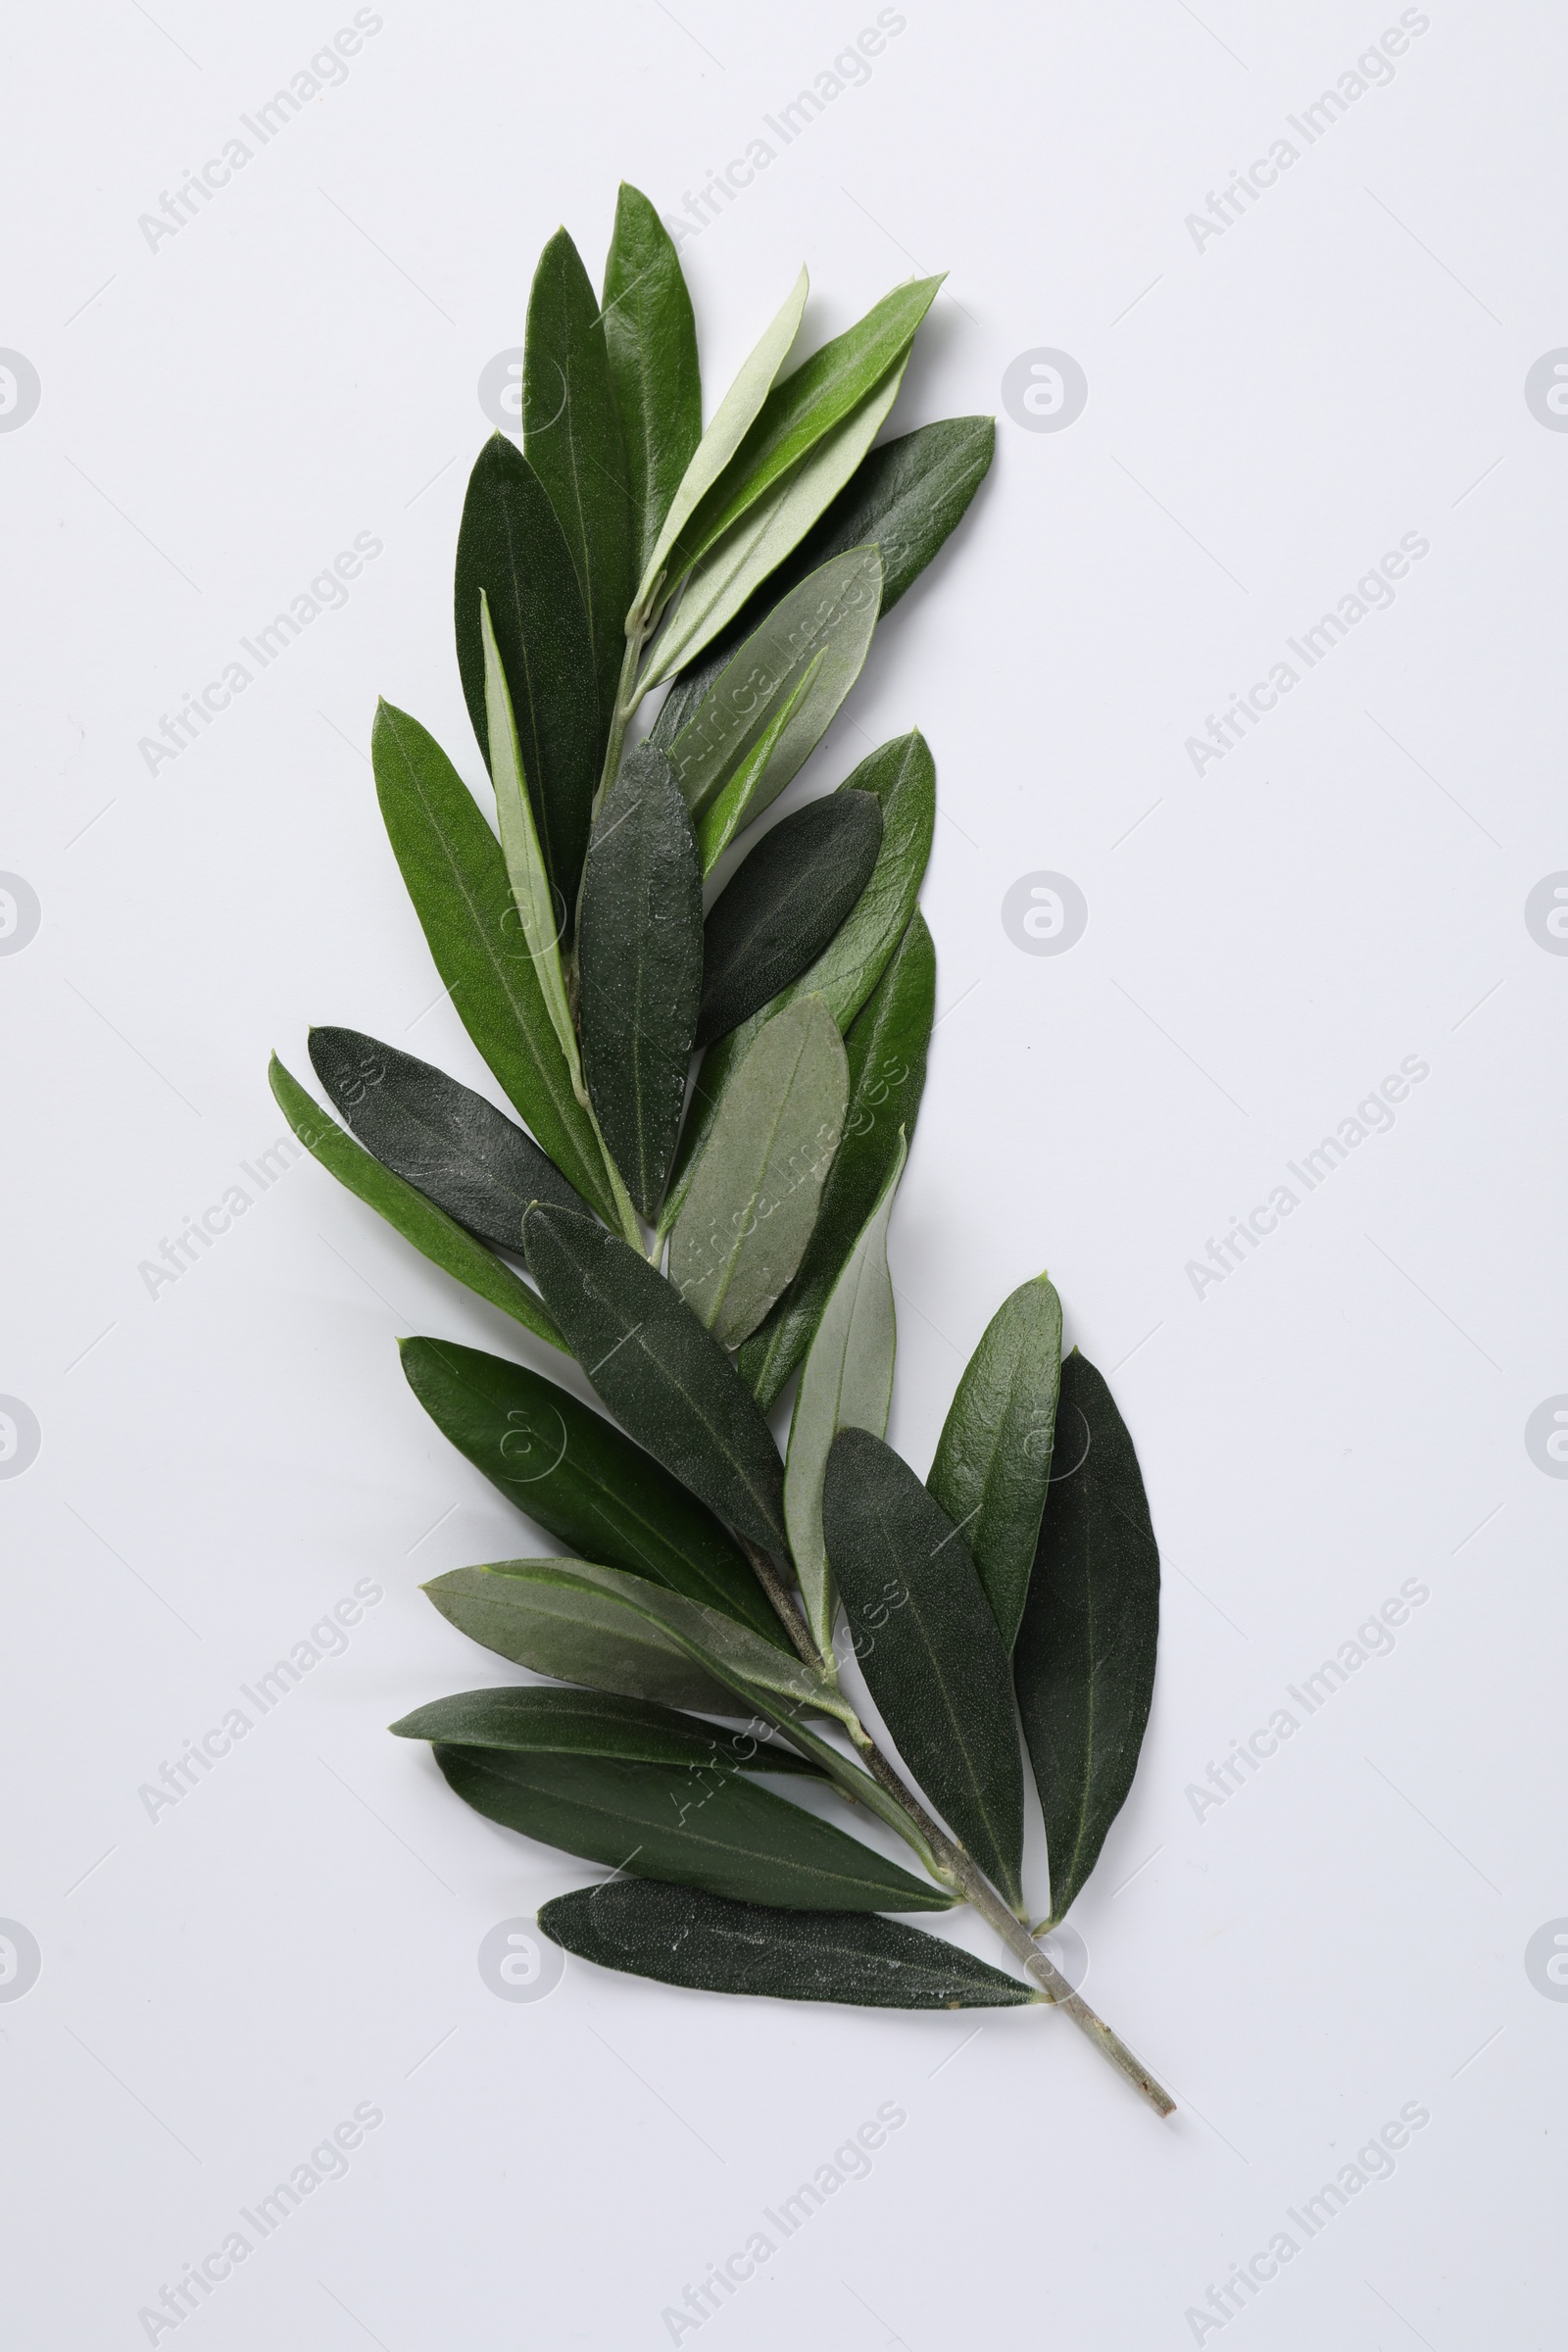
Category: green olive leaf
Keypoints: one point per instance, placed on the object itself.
(831, 613)
(679, 1935)
(512, 551)
(439, 1136)
(783, 904)
(993, 1458)
(764, 1676)
(571, 437)
(519, 846)
(737, 562)
(419, 1221)
(456, 874)
(696, 1824)
(539, 1720)
(581, 1479)
(803, 411)
(1084, 1659)
(752, 1197)
(650, 339)
(886, 1047)
(928, 1647)
(664, 1376)
(847, 1383)
(578, 1634)
(640, 969)
(902, 776)
(750, 782)
(731, 422)
(905, 498)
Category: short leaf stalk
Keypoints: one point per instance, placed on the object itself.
(952, 1865)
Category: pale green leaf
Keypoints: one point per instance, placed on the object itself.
(847, 1383)
(736, 414)
(752, 1198)
(519, 845)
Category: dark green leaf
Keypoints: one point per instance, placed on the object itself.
(541, 1720)
(993, 1459)
(928, 1647)
(511, 547)
(417, 1219)
(441, 1136)
(831, 614)
(1085, 1661)
(640, 964)
(457, 877)
(651, 337)
(905, 500)
(752, 1198)
(491, 1602)
(800, 412)
(887, 1054)
(679, 1936)
(700, 1825)
(783, 904)
(578, 1633)
(902, 777)
(847, 1383)
(580, 1478)
(664, 1377)
(571, 436)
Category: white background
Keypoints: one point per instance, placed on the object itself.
(220, 1462)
